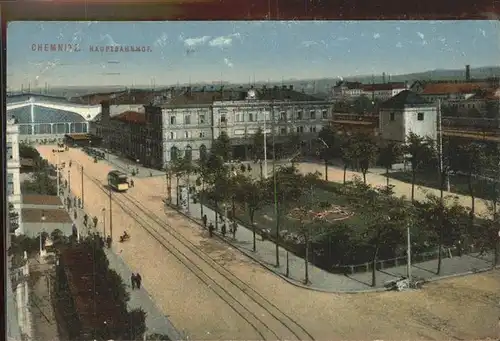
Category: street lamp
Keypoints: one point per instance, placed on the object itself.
(103, 210)
(41, 231)
(265, 146)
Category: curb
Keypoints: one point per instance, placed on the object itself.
(271, 269)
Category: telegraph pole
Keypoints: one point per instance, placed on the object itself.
(276, 212)
(110, 215)
(83, 196)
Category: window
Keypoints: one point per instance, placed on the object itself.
(283, 116)
(420, 116)
(9, 150)
(172, 119)
(187, 119)
(312, 129)
(300, 129)
(250, 117)
(313, 114)
(223, 118)
(202, 134)
(202, 119)
(172, 135)
(324, 114)
(186, 134)
(10, 184)
(282, 131)
(299, 114)
(392, 116)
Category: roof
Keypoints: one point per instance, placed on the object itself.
(42, 114)
(404, 99)
(78, 263)
(131, 117)
(383, 86)
(36, 199)
(453, 88)
(81, 136)
(34, 215)
(24, 96)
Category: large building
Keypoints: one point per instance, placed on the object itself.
(13, 167)
(47, 118)
(406, 113)
(347, 91)
(184, 123)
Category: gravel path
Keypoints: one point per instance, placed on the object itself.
(457, 308)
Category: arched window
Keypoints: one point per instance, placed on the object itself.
(203, 152)
(188, 153)
(174, 153)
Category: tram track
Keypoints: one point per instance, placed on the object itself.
(269, 322)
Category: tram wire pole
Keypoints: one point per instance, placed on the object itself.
(110, 215)
(83, 196)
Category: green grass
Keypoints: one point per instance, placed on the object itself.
(458, 183)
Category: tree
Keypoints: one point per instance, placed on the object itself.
(390, 153)
(42, 183)
(347, 156)
(487, 235)
(470, 160)
(258, 149)
(328, 136)
(365, 151)
(222, 147)
(293, 145)
(362, 105)
(252, 194)
(178, 167)
(418, 150)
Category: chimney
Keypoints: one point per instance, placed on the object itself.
(383, 77)
(467, 73)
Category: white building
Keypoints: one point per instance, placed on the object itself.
(407, 113)
(13, 167)
(348, 91)
(193, 120)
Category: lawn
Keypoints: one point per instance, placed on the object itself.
(458, 183)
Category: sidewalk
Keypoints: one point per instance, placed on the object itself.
(325, 281)
(156, 322)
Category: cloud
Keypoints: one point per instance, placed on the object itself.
(228, 63)
(421, 35)
(376, 35)
(162, 40)
(106, 39)
(190, 42)
(308, 43)
(224, 40)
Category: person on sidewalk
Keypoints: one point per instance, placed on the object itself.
(133, 280)
(223, 230)
(131, 182)
(211, 229)
(108, 241)
(234, 228)
(85, 219)
(138, 280)
(204, 218)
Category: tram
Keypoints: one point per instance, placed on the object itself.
(118, 181)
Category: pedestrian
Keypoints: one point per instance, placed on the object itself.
(131, 182)
(211, 230)
(75, 215)
(70, 163)
(233, 230)
(85, 219)
(204, 220)
(138, 280)
(133, 280)
(108, 241)
(223, 230)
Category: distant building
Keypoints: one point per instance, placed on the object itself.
(13, 170)
(406, 113)
(382, 91)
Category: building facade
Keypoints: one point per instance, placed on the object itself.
(407, 113)
(13, 170)
(348, 91)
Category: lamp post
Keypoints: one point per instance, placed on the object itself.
(41, 231)
(326, 161)
(265, 146)
(103, 210)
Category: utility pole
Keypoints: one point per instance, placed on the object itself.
(110, 215)
(265, 147)
(408, 252)
(275, 191)
(83, 194)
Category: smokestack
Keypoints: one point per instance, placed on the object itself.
(383, 77)
(467, 73)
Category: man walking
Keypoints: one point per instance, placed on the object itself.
(211, 230)
(204, 220)
(138, 280)
(133, 280)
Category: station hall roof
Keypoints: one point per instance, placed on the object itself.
(42, 114)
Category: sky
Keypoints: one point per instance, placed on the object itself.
(243, 51)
